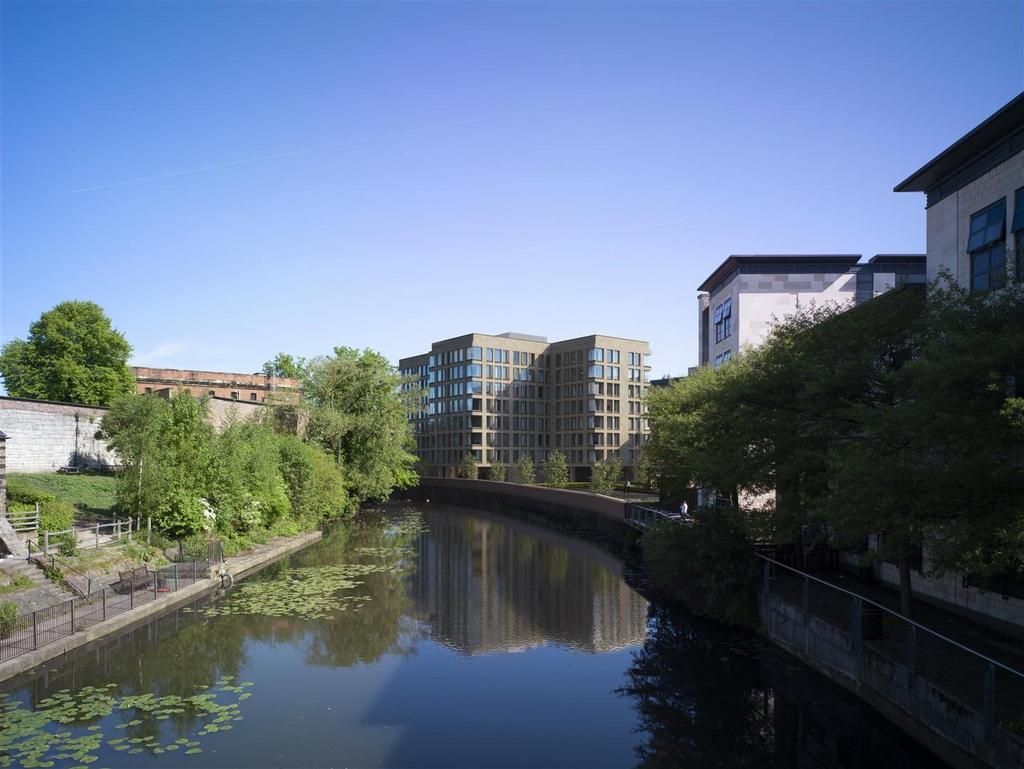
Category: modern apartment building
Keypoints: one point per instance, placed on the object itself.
(975, 203)
(741, 299)
(506, 396)
(217, 384)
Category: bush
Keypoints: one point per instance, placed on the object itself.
(468, 468)
(19, 491)
(67, 545)
(56, 515)
(709, 565)
(8, 618)
(604, 475)
(315, 486)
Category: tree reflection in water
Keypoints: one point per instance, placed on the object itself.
(710, 696)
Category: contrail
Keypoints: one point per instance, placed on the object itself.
(376, 138)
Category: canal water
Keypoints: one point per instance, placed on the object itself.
(438, 637)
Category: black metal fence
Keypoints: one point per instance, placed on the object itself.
(973, 702)
(43, 626)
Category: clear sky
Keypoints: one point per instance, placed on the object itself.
(231, 179)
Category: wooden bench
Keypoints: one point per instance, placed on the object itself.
(132, 580)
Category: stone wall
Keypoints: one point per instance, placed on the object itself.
(3, 474)
(43, 436)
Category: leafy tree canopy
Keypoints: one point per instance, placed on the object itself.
(72, 354)
(356, 410)
(285, 365)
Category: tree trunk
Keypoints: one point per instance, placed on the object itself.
(906, 594)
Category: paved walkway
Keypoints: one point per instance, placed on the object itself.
(44, 593)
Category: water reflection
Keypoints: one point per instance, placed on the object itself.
(605, 681)
(707, 696)
(486, 583)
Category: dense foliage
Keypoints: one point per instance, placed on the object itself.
(55, 513)
(354, 409)
(467, 467)
(72, 354)
(556, 470)
(497, 471)
(707, 564)
(190, 479)
(605, 476)
(900, 417)
(525, 472)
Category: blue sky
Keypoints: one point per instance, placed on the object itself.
(387, 174)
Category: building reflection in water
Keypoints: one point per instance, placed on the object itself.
(487, 582)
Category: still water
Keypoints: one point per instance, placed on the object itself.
(439, 637)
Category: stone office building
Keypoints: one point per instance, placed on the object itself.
(746, 294)
(975, 203)
(507, 396)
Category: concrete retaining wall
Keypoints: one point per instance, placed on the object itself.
(42, 436)
(603, 515)
(238, 566)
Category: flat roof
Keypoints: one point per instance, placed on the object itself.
(735, 261)
(898, 259)
(997, 127)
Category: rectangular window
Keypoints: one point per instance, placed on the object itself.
(252, 396)
(595, 372)
(595, 355)
(987, 226)
(474, 369)
(723, 320)
(1018, 212)
(987, 248)
(988, 268)
(234, 395)
(474, 353)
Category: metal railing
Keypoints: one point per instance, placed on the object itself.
(971, 700)
(79, 583)
(43, 626)
(640, 516)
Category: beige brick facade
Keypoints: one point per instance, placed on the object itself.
(501, 398)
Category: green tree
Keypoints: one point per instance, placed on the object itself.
(285, 365)
(556, 470)
(132, 428)
(605, 476)
(497, 471)
(72, 354)
(525, 472)
(467, 467)
(356, 410)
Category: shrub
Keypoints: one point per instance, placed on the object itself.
(708, 565)
(67, 545)
(314, 484)
(604, 475)
(524, 470)
(556, 470)
(467, 467)
(497, 471)
(19, 491)
(8, 618)
(56, 515)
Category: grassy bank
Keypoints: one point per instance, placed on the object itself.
(93, 496)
